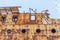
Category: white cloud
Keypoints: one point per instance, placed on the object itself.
(57, 6)
(54, 2)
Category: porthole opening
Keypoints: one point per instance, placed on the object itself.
(14, 18)
(8, 31)
(23, 30)
(3, 18)
(38, 30)
(53, 30)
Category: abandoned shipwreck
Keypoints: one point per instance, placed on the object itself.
(15, 25)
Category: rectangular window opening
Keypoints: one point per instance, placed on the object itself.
(33, 17)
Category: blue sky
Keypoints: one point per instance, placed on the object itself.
(52, 5)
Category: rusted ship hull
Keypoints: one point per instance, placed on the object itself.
(19, 26)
